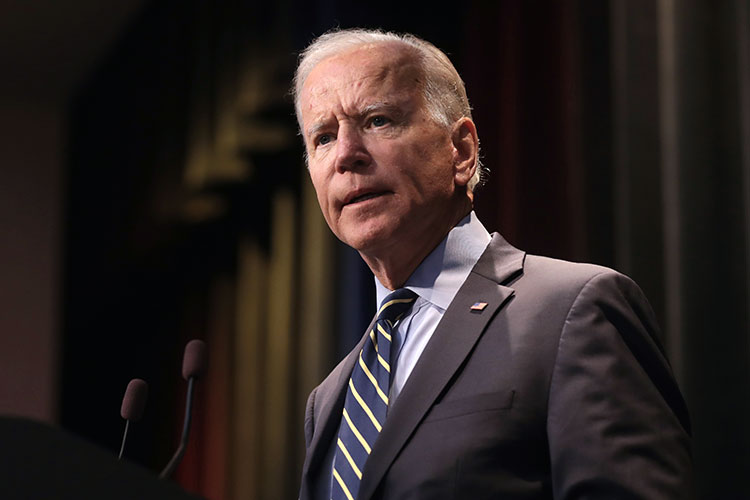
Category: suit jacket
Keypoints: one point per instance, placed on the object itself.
(559, 388)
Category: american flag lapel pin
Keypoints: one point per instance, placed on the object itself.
(478, 306)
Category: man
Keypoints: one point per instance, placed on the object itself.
(505, 375)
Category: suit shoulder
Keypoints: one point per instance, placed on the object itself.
(538, 266)
(560, 281)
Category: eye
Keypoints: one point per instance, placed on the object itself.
(323, 139)
(379, 121)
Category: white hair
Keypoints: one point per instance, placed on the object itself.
(444, 91)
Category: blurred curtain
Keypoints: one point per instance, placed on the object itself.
(269, 318)
(616, 132)
(191, 217)
(619, 132)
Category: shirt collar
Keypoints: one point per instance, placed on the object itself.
(440, 275)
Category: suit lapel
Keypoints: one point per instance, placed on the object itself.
(327, 419)
(449, 346)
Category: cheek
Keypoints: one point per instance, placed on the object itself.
(321, 190)
(433, 153)
(429, 171)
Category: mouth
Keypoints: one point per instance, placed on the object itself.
(362, 197)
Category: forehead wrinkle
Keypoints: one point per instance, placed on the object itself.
(389, 76)
(357, 104)
(397, 69)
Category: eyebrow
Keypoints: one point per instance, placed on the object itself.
(379, 106)
(370, 108)
(399, 111)
(315, 128)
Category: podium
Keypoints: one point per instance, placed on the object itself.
(38, 461)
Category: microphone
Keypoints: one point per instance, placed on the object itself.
(194, 359)
(133, 404)
(193, 367)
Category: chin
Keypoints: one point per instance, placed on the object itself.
(367, 238)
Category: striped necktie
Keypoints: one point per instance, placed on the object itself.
(366, 401)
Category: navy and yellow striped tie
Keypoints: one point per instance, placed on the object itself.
(366, 402)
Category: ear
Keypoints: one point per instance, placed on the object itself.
(465, 150)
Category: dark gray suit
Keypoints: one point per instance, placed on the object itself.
(557, 389)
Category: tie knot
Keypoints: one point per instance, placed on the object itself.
(396, 304)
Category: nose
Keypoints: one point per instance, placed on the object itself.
(351, 151)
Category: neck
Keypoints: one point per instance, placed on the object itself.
(393, 268)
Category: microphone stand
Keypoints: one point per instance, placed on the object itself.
(124, 437)
(177, 457)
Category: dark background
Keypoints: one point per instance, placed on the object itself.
(616, 132)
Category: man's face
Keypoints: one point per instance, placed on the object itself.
(381, 167)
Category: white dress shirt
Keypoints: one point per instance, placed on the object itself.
(436, 282)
